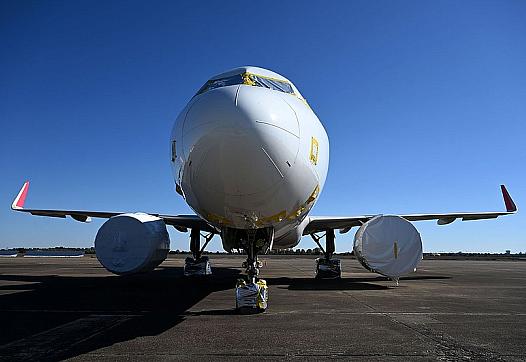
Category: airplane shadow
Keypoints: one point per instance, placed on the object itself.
(369, 283)
(324, 284)
(143, 305)
(309, 284)
(140, 305)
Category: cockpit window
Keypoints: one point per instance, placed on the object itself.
(223, 82)
(248, 79)
(266, 82)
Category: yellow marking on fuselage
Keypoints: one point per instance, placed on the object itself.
(314, 148)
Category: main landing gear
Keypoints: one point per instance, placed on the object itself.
(327, 268)
(252, 293)
(199, 265)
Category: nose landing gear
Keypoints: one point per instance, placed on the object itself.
(252, 294)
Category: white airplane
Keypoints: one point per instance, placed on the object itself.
(250, 157)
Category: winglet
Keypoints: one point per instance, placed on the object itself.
(510, 205)
(18, 203)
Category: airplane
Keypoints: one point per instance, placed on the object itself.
(250, 157)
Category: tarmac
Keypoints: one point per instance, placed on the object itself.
(60, 308)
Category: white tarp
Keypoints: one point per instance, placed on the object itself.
(132, 243)
(328, 269)
(388, 245)
(200, 267)
(252, 295)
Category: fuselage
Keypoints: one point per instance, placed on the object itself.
(248, 152)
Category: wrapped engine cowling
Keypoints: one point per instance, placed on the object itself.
(388, 245)
(132, 243)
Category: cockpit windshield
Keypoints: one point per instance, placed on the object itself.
(248, 79)
(266, 82)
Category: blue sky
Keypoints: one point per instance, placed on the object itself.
(424, 103)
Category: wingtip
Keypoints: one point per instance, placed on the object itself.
(508, 201)
(18, 202)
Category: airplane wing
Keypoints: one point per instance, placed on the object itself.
(345, 223)
(180, 222)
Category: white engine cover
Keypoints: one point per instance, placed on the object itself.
(388, 245)
(132, 243)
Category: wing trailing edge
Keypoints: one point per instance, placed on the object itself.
(179, 222)
(345, 223)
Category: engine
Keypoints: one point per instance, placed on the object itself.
(132, 243)
(388, 245)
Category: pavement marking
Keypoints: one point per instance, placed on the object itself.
(138, 313)
(130, 313)
(351, 295)
(446, 347)
(332, 312)
(55, 342)
(244, 355)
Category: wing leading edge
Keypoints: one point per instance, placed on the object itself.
(316, 223)
(180, 222)
(345, 223)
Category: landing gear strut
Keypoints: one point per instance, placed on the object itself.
(252, 294)
(199, 265)
(326, 267)
(252, 263)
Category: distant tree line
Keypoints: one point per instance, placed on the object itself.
(314, 251)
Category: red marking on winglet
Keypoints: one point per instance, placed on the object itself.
(510, 205)
(21, 198)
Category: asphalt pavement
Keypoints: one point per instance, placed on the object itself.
(72, 308)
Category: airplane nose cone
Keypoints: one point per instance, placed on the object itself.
(234, 146)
